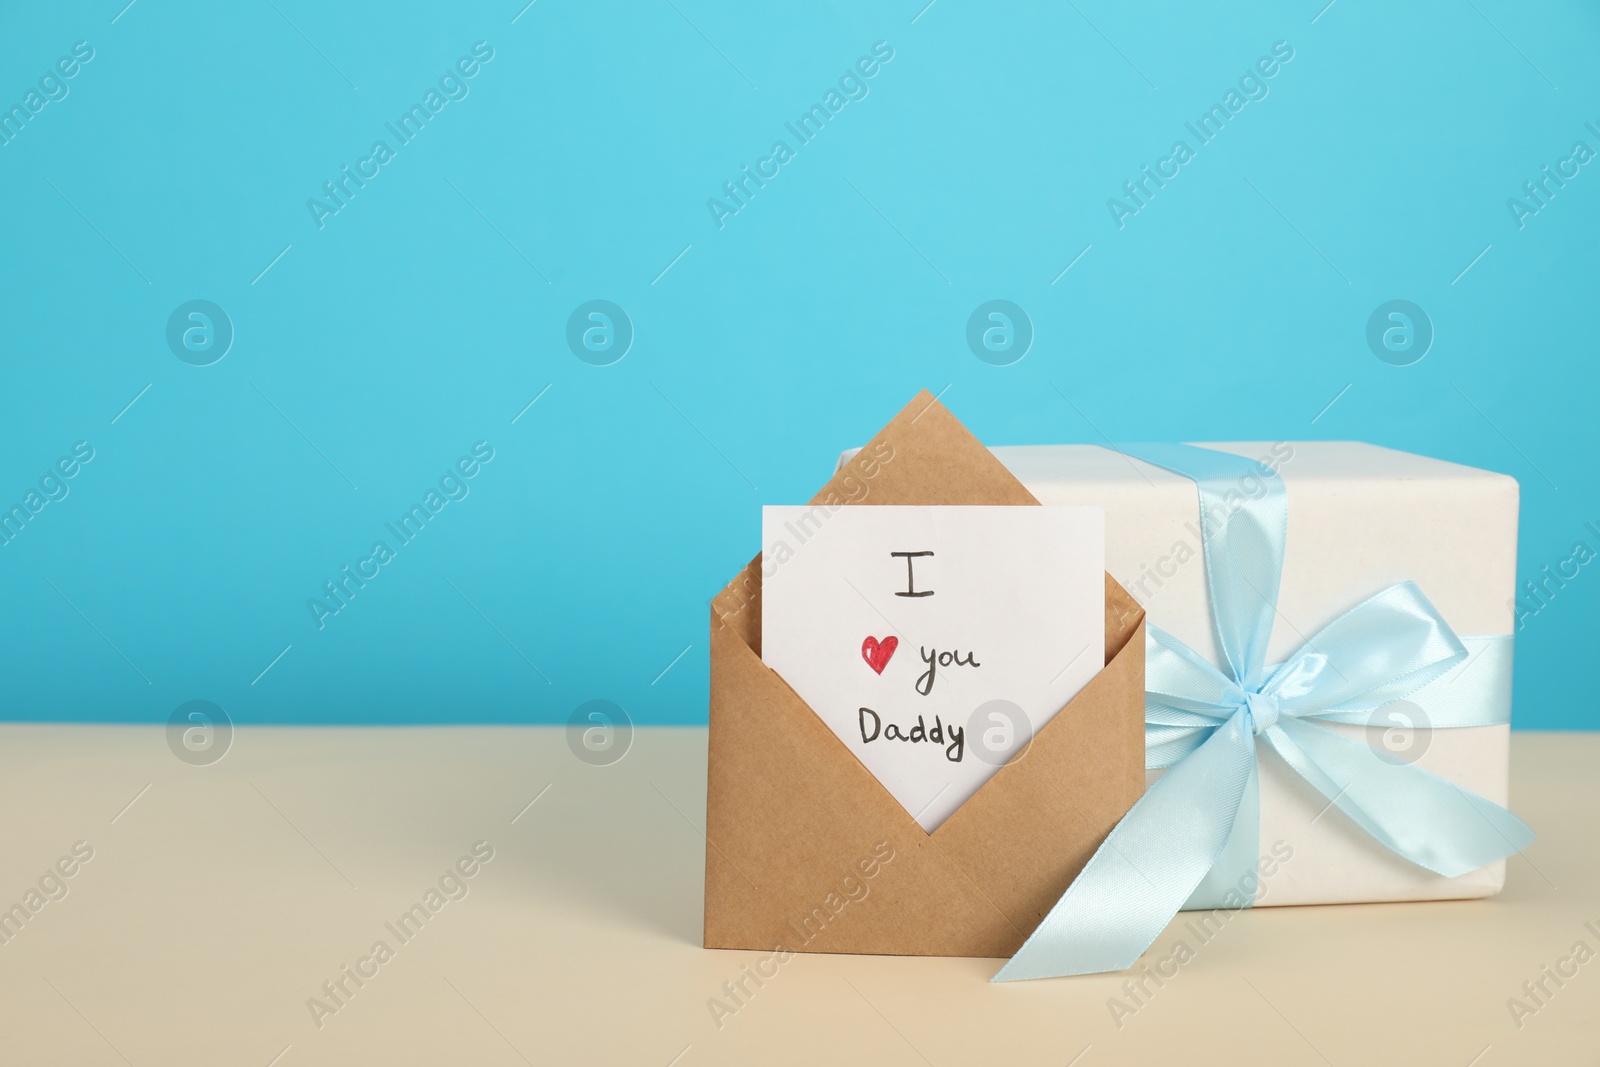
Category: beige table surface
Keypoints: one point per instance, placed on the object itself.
(220, 898)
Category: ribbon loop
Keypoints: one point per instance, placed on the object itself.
(1380, 650)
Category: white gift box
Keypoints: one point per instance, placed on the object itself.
(1361, 518)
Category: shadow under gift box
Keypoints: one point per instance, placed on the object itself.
(808, 852)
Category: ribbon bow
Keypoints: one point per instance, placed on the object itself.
(1196, 828)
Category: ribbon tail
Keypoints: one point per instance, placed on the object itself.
(1147, 866)
(1430, 821)
(1229, 885)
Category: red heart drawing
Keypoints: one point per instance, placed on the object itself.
(877, 653)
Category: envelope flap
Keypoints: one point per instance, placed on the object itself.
(924, 456)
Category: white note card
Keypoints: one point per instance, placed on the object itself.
(934, 641)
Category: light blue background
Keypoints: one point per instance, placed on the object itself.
(379, 348)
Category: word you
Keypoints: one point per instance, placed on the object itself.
(452, 486)
(936, 659)
(1564, 970)
(1252, 87)
(852, 86)
(52, 88)
(1536, 596)
(52, 487)
(452, 86)
(1539, 192)
(850, 890)
(452, 885)
(1204, 930)
(52, 886)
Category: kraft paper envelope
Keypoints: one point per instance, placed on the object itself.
(798, 831)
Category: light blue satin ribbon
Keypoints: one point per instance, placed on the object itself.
(1191, 840)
